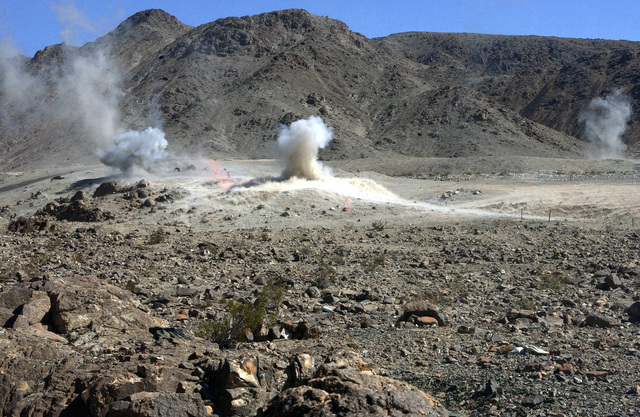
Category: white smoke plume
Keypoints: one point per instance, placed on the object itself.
(20, 89)
(73, 21)
(134, 149)
(90, 87)
(605, 121)
(298, 147)
(79, 94)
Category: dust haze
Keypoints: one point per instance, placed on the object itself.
(84, 92)
(605, 121)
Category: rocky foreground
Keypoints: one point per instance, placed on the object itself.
(103, 317)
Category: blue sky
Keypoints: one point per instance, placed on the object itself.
(30, 25)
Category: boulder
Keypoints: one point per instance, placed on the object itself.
(346, 391)
(33, 311)
(110, 187)
(423, 309)
(633, 311)
(87, 302)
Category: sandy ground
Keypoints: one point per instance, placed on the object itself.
(247, 194)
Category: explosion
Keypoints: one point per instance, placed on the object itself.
(134, 149)
(298, 147)
(605, 121)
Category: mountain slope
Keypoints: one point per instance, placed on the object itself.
(222, 89)
(547, 80)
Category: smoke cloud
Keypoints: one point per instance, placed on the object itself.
(298, 147)
(19, 88)
(90, 87)
(605, 121)
(74, 22)
(134, 149)
(75, 90)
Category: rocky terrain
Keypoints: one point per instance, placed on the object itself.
(463, 258)
(375, 299)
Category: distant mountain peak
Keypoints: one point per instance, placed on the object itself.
(154, 16)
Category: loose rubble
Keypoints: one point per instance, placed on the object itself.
(488, 317)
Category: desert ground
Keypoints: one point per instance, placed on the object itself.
(539, 257)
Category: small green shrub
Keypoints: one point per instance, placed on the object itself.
(243, 318)
(378, 225)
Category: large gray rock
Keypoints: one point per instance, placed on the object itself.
(633, 311)
(85, 301)
(346, 391)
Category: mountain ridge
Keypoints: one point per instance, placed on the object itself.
(223, 88)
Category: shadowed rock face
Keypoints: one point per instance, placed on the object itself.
(225, 86)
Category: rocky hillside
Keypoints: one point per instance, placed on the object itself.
(547, 80)
(223, 89)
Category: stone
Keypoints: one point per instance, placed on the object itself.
(478, 331)
(314, 292)
(75, 211)
(612, 282)
(633, 311)
(599, 374)
(34, 310)
(79, 195)
(602, 322)
(186, 292)
(492, 389)
(240, 373)
(83, 301)
(551, 320)
(565, 368)
(302, 368)
(532, 401)
(426, 321)
(421, 309)
(152, 404)
(109, 187)
(302, 330)
(345, 391)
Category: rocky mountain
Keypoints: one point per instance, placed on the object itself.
(222, 89)
(547, 80)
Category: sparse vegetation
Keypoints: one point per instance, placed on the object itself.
(326, 274)
(157, 237)
(555, 280)
(378, 225)
(242, 319)
(373, 263)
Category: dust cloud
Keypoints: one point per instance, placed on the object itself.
(298, 147)
(80, 94)
(605, 121)
(134, 149)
